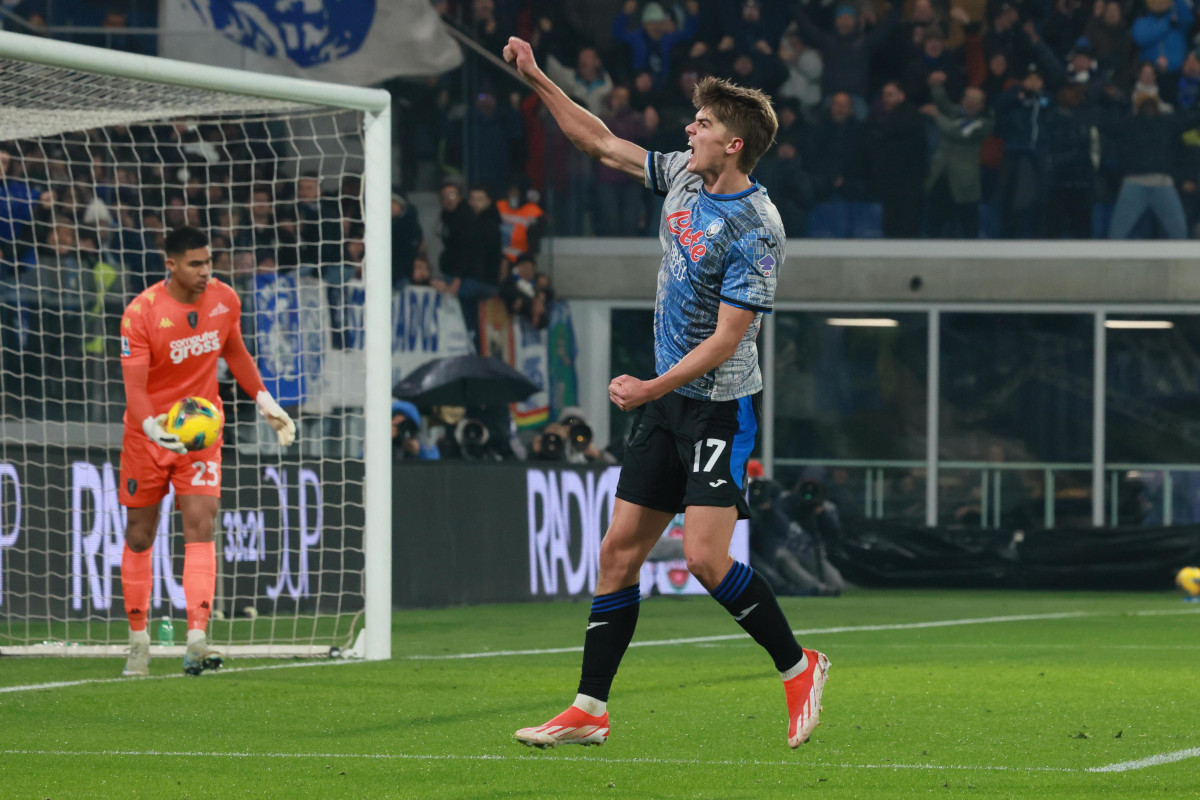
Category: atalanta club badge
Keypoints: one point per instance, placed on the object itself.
(193, 319)
(131, 484)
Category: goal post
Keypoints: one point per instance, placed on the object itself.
(103, 151)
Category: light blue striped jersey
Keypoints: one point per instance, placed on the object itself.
(717, 248)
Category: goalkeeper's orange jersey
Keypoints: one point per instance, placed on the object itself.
(180, 343)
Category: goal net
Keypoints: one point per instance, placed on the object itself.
(101, 153)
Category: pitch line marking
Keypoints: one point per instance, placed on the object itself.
(1124, 766)
(1150, 761)
(33, 687)
(526, 758)
(899, 626)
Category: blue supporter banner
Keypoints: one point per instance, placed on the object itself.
(427, 324)
(358, 42)
(279, 342)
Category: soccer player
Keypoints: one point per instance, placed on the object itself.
(697, 420)
(171, 337)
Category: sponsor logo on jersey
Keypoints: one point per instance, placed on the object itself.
(766, 264)
(680, 224)
(219, 310)
(127, 323)
(201, 343)
(149, 297)
(125, 346)
(165, 323)
(136, 307)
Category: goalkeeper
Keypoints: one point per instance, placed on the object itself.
(171, 337)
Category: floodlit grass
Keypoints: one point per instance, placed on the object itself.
(1017, 708)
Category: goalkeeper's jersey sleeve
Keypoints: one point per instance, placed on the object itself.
(717, 248)
(179, 342)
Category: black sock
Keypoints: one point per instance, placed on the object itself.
(610, 628)
(750, 600)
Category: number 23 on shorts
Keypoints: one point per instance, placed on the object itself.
(208, 473)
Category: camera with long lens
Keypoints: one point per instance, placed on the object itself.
(810, 493)
(553, 446)
(579, 435)
(761, 492)
(406, 429)
(472, 436)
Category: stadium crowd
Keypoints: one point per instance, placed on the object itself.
(922, 118)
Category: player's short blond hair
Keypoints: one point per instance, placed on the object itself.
(745, 113)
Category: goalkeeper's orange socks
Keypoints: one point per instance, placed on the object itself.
(137, 578)
(199, 582)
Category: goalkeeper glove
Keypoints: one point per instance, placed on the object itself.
(153, 426)
(278, 419)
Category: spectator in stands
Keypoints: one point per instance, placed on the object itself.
(749, 26)
(318, 227)
(422, 275)
(651, 43)
(1149, 142)
(408, 239)
(527, 293)
(587, 83)
(847, 52)
(1111, 42)
(1070, 128)
(904, 42)
(783, 169)
(1187, 99)
(895, 152)
(954, 186)
(1021, 114)
(493, 132)
(487, 25)
(522, 220)
(52, 268)
(617, 205)
(933, 58)
(269, 240)
(840, 191)
(1065, 23)
(479, 255)
(1004, 34)
(757, 71)
(805, 67)
(17, 202)
(453, 229)
(1161, 34)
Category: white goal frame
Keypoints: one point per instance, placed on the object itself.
(374, 640)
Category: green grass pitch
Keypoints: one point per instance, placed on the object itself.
(931, 693)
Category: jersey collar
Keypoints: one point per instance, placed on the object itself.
(749, 190)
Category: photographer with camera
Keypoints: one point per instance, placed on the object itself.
(406, 434)
(814, 527)
(569, 440)
(789, 532)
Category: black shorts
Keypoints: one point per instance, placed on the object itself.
(686, 452)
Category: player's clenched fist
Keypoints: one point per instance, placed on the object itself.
(518, 53)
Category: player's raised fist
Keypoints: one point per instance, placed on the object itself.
(518, 53)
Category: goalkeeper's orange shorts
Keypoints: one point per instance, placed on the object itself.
(147, 470)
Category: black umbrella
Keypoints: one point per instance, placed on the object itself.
(464, 381)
